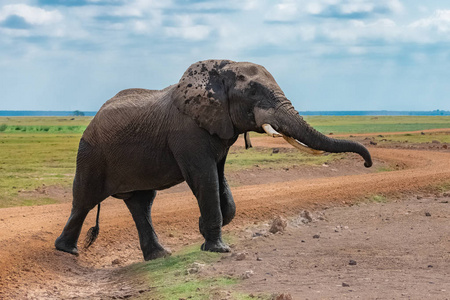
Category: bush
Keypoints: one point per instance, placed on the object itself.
(3, 127)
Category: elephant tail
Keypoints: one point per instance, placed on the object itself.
(92, 233)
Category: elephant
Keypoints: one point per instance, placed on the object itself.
(142, 141)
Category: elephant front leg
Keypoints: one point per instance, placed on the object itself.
(140, 204)
(227, 205)
(211, 221)
(205, 186)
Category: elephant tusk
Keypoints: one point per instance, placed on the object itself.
(270, 131)
(301, 146)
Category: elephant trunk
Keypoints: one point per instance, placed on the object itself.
(291, 124)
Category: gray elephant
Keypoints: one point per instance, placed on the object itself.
(142, 141)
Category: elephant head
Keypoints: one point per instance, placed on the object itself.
(228, 98)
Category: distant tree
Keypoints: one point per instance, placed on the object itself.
(78, 113)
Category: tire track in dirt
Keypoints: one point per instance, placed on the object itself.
(31, 267)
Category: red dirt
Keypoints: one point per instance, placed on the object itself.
(32, 268)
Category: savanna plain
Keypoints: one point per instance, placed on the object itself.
(307, 227)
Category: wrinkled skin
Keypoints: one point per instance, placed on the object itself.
(142, 141)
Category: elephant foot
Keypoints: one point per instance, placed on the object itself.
(217, 246)
(158, 253)
(65, 247)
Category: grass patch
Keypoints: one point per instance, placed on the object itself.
(385, 169)
(417, 138)
(45, 121)
(170, 278)
(31, 160)
(239, 159)
(377, 198)
(366, 124)
(37, 201)
(41, 129)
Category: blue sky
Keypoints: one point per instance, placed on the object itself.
(325, 54)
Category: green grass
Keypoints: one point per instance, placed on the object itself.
(28, 161)
(239, 159)
(366, 124)
(442, 137)
(46, 121)
(377, 198)
(43, 124)
(168, 278)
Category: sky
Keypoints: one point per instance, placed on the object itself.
(324, 54)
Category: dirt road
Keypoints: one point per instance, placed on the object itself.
(31, 268)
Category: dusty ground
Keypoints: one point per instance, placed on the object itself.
(401, 250)
(31, 268)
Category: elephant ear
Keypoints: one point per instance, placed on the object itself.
(201, 94)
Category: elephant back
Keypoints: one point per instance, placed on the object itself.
(129, 113)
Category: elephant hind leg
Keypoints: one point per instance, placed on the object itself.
(139, 203)
(68, 239)
(83, 203)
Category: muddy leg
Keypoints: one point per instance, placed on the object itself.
(140, 204)
(227, 206)
(68, 239)
(204, 185)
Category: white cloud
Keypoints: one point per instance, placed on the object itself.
(32, 15)
(286, 10)
(193, 33)
(439, 21)
(140, 8)
(352, 8)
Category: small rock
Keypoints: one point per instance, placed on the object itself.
(345, 284)
(259, 259)
(258, 234)
(195, 268)
(275, 150)
(422, 133)
(352, 262)
(373, 143)
(115, 262)
(278, 225)
(283, 296)
(171, 235)
(435, 142)
(427, 214)
(446, 194)
(331, 133)
(419, 197)
(240, 256)
(380, 135)
(191, 271)
(247, 274)
(430, 266)
(445, 146)
(306, 216)
(316, 236)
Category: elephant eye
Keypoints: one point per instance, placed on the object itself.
(241, 77)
